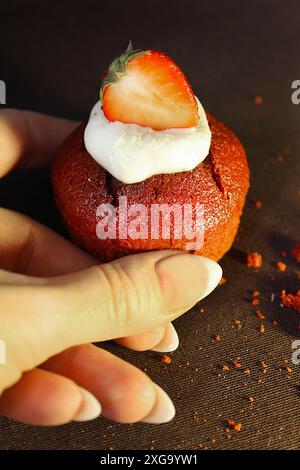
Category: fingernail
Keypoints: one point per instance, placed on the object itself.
(185, 279)
(170, 340)
(163, 410)
(90, 408)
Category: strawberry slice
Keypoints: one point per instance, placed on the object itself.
(147, 88)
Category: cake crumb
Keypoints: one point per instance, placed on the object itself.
(225, 368)
(260, 315)
(275, 323)
(237, 365)
(258, 204)
(279, 158)
(237, 323)
(258, 100)
(233, 425)
(290, 300)
(281, 266)
(255, 293)
(218, 338)
(247, 371)
(296, 252)
(222, 281)
(254, 260)
(262, 328)
(255, 301)
(251, 399)
(166, 359)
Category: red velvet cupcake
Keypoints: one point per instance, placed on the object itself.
(151, 145)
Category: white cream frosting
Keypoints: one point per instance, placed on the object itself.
(133, 153)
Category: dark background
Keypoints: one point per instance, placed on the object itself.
(52, 56)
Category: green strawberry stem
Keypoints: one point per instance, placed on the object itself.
(118, 68)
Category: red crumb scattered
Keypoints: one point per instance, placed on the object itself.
(225, 368)
(258, 204)
(237, 323)
(280, 158)
(237, 365)
(255, 293)
(218, 338)
(254, 260)
(296, 252)
(222, 281)
(166, 360)
(289, 370)
(281, 266)
(262, 328)
(258, 100)
(255, 301)
(284, 254)
(260, 315)
(290, 300)
(237, 427)
(251, 399)
(275, 323)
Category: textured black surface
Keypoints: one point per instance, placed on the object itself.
(51, 59)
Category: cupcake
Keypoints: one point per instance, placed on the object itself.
(150, 169)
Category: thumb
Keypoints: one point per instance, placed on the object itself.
(129, 296)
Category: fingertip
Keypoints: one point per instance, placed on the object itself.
(90, 407)
(170, 340)
(144, 341)
(163, 410)
(30, 138)
(213, 274)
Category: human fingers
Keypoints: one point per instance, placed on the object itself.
(28, 247)
(45, 398)
(126, 394)
(129, 296)
(29, 139)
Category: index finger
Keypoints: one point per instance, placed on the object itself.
(29, 139)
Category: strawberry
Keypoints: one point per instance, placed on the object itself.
(147, 88)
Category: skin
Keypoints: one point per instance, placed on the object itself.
(56, 299)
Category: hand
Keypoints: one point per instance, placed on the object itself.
(55, 299)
